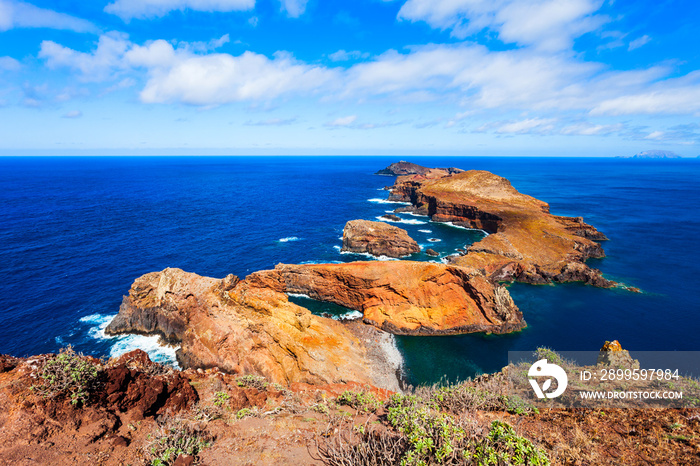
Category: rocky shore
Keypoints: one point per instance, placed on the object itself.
(525, 243)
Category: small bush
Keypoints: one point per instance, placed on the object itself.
(362, 401)
(174, 438)
(67, 374)
(252, 381)
(503, 446)
(221, 398)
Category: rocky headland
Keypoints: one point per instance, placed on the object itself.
(378, 239)
(403, 297)
(242, 328)
(525, 243)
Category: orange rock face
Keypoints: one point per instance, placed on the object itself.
(244, 329)
(378, 239)
(402, 297)
(525, 243)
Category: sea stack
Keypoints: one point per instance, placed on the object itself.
(378, 239)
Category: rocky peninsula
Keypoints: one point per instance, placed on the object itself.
(525, 243)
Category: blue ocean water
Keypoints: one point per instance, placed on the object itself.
(76, 232)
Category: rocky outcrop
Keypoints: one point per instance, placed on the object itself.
(526, 243)
(403, 168)
(245, 329)
(378, 239)
(403, 297)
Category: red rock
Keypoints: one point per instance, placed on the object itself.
(243, 330)
(403, 297)
(378, 239)
(526, 243)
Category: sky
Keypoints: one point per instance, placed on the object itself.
(442, 77)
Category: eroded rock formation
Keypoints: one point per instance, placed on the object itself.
(526, 243)
(402, 297)
(244, 329)
(378, 239)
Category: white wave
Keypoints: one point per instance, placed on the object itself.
(319, 262)
(461, 227)
(371, 256)
(410, 222)
(415, 215)
(298, 295)
(350, 315)
(287, 239)
(434, 240)
(426, 231)
(158, 352)
(385, 201)
(337, 247)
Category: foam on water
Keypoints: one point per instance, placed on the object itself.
(384, 201)
(163, 354)
(299, 295)
(426, 231)
(410, 222)
(371, 256)
(461, 227)
(351, 315)
(288, 239)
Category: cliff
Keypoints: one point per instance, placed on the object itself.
(403, 297)
(525, 243)
(378, 239)
(244, 329)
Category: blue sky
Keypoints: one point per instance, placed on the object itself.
(448, 77)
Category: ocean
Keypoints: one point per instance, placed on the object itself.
(76, 231)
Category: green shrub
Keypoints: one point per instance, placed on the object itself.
(67, 374)
(362, 401)
(252, 381)
(174, 438)
(502, 446)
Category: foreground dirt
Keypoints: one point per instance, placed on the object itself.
(250, 422)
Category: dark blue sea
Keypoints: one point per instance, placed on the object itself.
(76, 232)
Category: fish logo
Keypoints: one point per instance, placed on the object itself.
(544, 369)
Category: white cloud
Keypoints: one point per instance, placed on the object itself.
(342, 55)
(73, 114)
(15, 14)
(589, 129)
(636, 43)
(670, 96)
(294, 8)
(9, 64)
(272, 122)
(140, 9)
(96, 66)
(655, 135)
(342, 121)
(213, 79)
(545, 24)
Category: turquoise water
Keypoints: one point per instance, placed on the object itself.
(76, 232)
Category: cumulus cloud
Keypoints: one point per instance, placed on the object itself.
(179, 76)
(94, 66)
(545, 24)
(141, 9)
(294, 8)
(466, 74)
(14, 14)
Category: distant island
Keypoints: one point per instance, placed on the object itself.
(653, 154)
